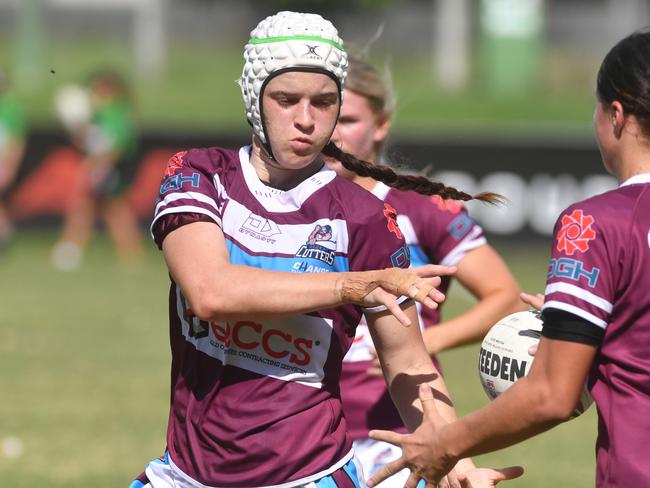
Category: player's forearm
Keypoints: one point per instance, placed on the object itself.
(404, 374)
(521, 412)
(243, 291)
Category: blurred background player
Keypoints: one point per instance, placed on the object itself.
(437, 231)
(12, 149)
(596, 308)
(100, 122)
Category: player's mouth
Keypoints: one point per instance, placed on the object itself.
(301, 145)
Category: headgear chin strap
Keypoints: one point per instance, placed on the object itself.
(282, 42)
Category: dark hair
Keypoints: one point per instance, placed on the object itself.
(624, 76)
(418, 184)
(365, 80)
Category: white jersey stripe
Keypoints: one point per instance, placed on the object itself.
(576, 311)
(182, 480)
(172, 197)
(580, 293)
(286, 238)
(406, 226)
(466, 245)
(185, 208)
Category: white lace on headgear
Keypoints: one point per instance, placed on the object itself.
(283, 41)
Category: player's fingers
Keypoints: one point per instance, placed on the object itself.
(436, 295)
(385, 472)
(387, 436)
(430, 303)
(452, 479)
(412, 481)
(426, 397)
(536, 301)
(430, 270)
(394, 308)
(532, 350)
(509, 473)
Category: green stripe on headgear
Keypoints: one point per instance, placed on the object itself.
(296, 38)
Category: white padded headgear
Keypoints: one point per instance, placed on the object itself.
(283, 41)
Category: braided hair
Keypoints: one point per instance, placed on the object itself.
(418, 184)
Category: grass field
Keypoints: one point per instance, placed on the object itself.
(84, 373)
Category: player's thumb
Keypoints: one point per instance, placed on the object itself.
(508, 473)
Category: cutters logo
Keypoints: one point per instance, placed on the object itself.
(311, 52)
(575, 233)
(260, 228)
(391, 216)
(320, 245)
(175, 163)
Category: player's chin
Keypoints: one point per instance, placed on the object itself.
(299, 160)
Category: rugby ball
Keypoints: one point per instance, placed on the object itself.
(504, 357)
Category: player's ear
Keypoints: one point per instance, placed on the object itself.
(383, 127)
(618, 116)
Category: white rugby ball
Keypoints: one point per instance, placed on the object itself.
(504, 357)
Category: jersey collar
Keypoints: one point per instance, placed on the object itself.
(637, 179)
(275, 200)
(380, 190)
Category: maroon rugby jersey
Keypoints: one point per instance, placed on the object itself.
(256, 402)
(436, 231)
(600, 271)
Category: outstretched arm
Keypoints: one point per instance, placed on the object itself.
(535, 403)
(407, 366)
(198, 260)
(484, 274)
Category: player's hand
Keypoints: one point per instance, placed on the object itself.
(384, 287)
(488, 477)
(421, 451)
(536, 301)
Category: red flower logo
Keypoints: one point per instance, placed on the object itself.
(576, 232)
(391, 216)
(175, 163)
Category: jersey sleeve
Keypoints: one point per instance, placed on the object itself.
(448, 232)
(378, 244)
(580, 277)
(191, 188)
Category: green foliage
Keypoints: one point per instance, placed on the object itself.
(84, 372)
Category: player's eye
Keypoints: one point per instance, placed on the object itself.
(325, 101)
